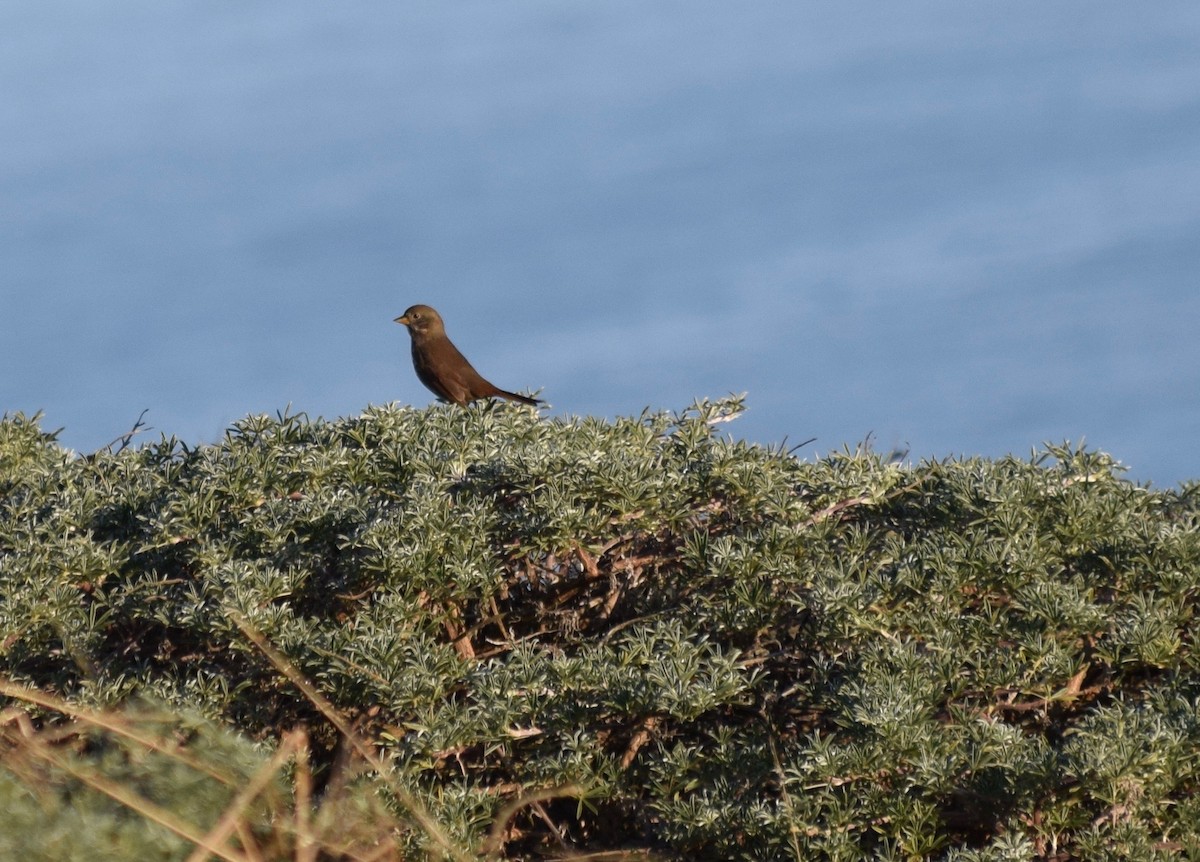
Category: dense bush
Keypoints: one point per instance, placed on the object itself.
(547, 635)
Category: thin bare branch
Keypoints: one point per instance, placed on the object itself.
(415, 807)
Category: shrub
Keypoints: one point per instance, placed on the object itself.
(571, 634)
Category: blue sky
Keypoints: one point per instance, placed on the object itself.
(961, 229)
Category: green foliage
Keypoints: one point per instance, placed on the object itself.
(53, 813)
(145, 784)
(635, 634)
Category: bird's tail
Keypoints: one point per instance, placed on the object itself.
(524, 399)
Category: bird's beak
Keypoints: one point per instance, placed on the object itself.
(401, 319)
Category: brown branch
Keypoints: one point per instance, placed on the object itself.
(151, 811)
(646, 728)
(494, 846)
(404, 796)
(229, 821)
(113, 725)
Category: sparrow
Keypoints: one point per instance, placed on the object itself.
(440, 366)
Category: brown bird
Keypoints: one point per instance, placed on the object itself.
(441, 367)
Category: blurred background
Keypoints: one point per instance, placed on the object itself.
(954, 228)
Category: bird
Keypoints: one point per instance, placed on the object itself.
(440, 366)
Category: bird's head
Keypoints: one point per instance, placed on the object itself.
(421, 319)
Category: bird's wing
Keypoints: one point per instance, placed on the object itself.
(446, 372)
